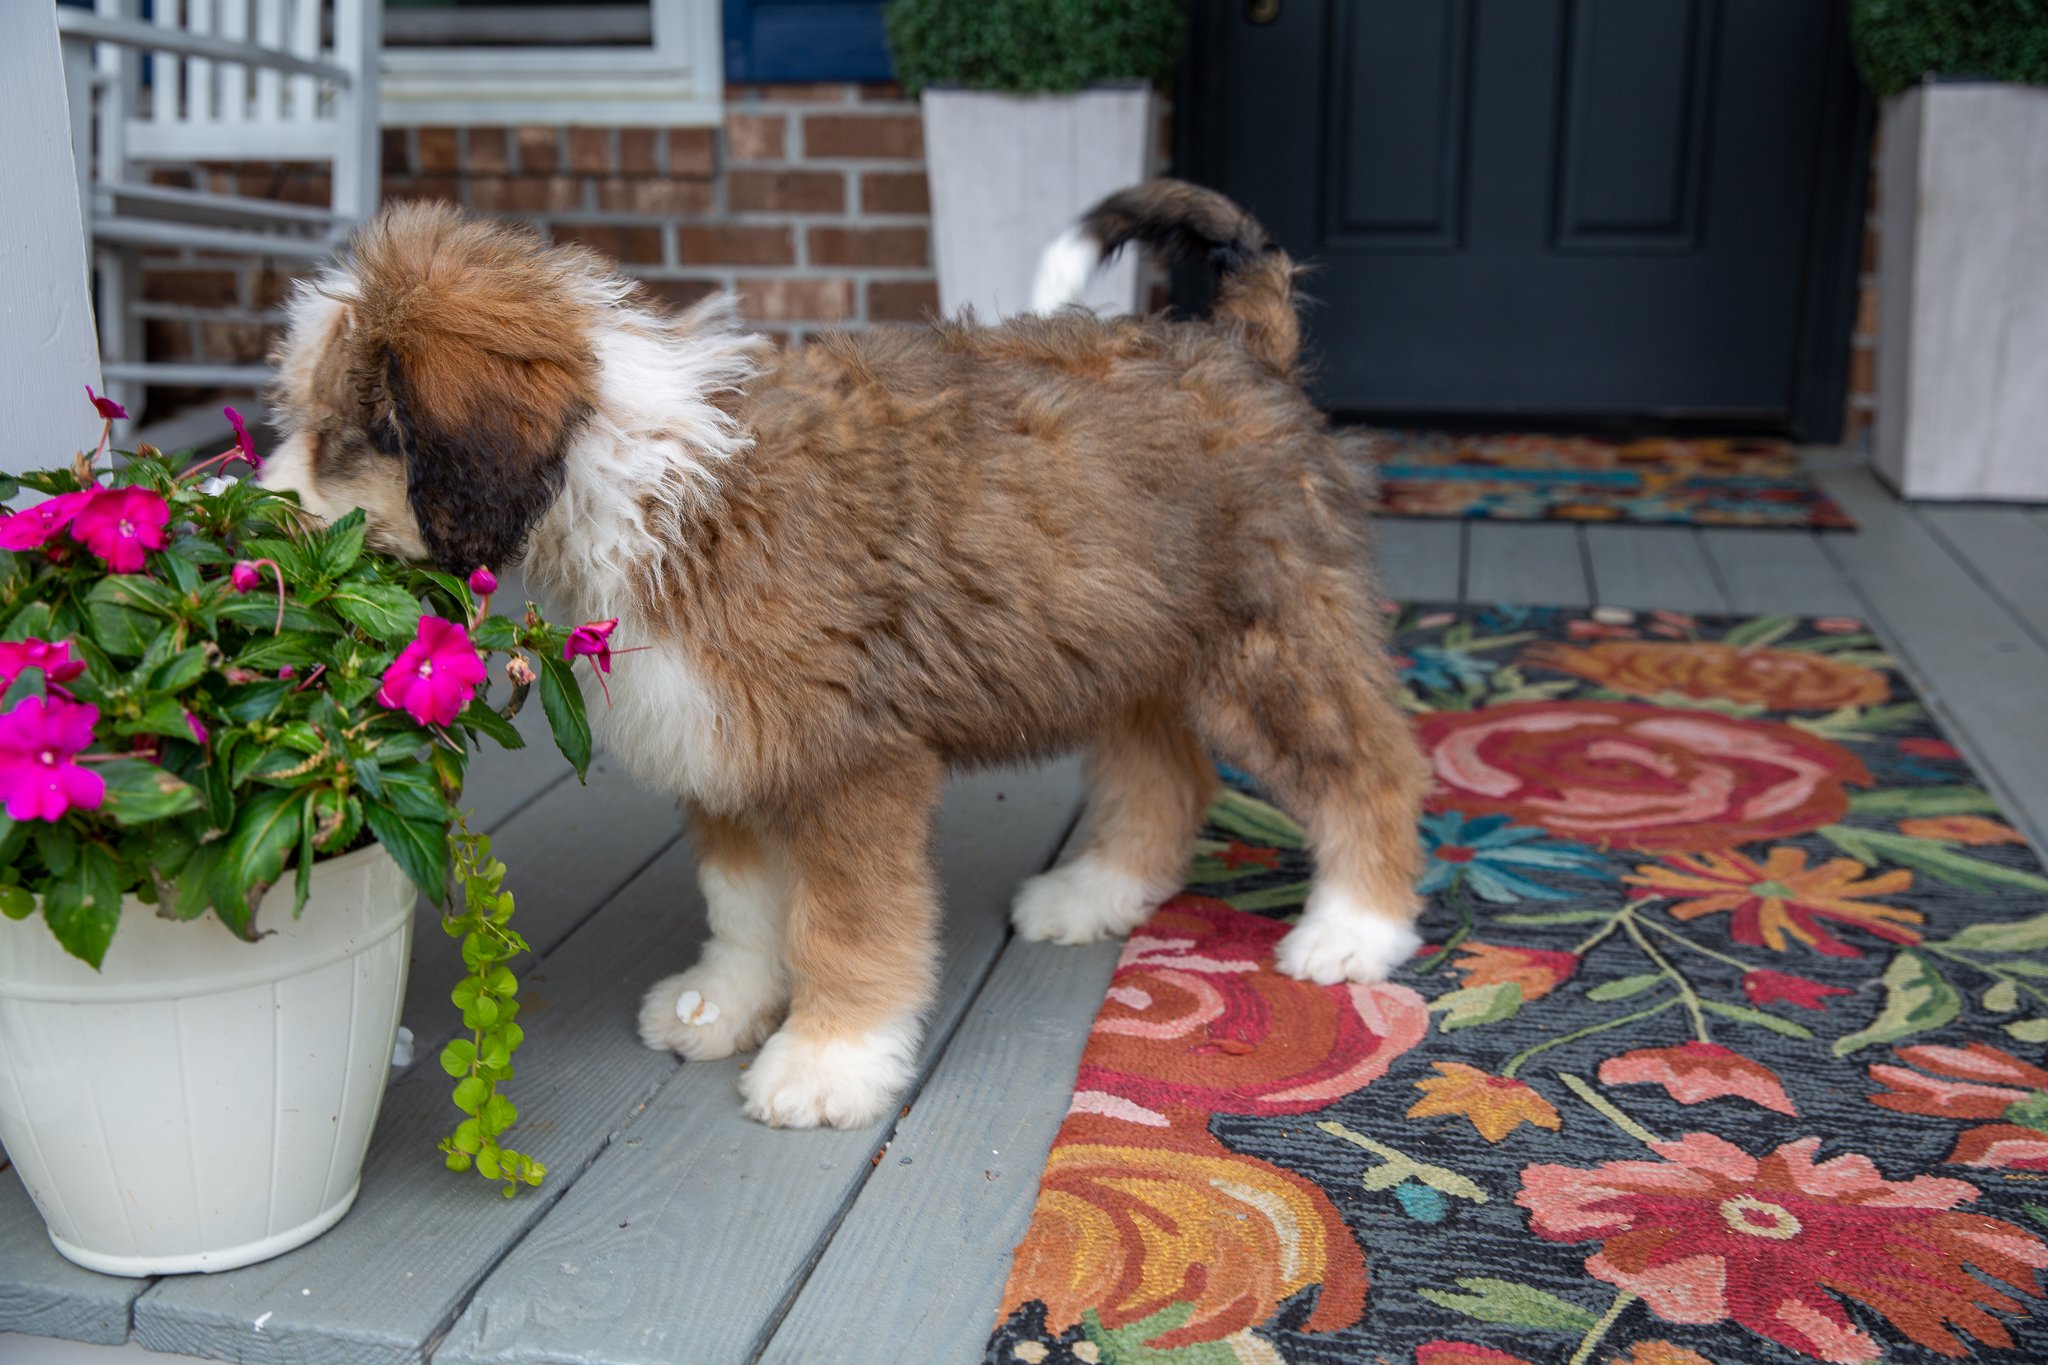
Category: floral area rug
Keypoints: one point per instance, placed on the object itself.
(1729, 1046)
(1582, 478)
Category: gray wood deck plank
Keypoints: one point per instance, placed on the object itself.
(1772, 571)
(1419, 561)
(393, 1274)
(43, 1294)
(1541, 565)
(1652, 566)
(917, 1267)
(1972, 659)
(2007, 550)
(688, 1237)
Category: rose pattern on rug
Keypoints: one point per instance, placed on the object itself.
(1727, 1045)
(1665, 480)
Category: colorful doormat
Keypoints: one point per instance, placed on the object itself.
(1730, 1048)
(1583, 478)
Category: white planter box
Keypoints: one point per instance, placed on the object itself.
(1963, 293)
(198, 1103)
(1009, 173)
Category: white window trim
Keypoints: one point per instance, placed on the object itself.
(679, 81)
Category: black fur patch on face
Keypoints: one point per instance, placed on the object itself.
(477, 492)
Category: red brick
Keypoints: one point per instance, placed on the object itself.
(396, 160)
(657, 198)
(885, 246)
(785, 191)
(719, 245)
(895, 192)
(486, 153)
(881, 92)
(757, 137)
(202, 288)
(1869, 263)
(1866, 310)
(681, 293)
(590, 151)
(879, 137)
(422, 187)
(437, 154)
(167, 339)
(902, 300)
(540, 151)
(235, 341)
(526, 193)
(825, 92)
(628, 245)
(273, 287)
(309, 187)
(692, 151)
(638, 152)
(796, 300)
(1863, 369)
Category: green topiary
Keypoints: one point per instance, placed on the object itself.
(1030, 45)
(1898, 42)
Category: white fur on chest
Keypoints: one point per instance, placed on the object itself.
(663, 723)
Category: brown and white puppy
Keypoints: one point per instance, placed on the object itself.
(887, 554)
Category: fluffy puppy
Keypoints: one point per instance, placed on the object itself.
(887, 554)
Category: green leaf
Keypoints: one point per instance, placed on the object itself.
(1868, 846)
(1256, 821)
(119, 631)
(412, 792)
(385, 612)
(16, 902)
(562, 699)
(2013, 936)
(470, 1094)
(2003, 997)
(1625, 987)
(139, 793)
(298, 648)
(484, 720)
(1271, 898)
(265, 832)
(33, 621)
(179, 671)
(458, 1057)
(1476, 1005)
(1917, 998)
(195, 883)
(138, 593)
(1922, 801)
(421, 847)
(257, 612)
(83, 907)
(496, 632)
(498, 1114)
(57, 846)
(2031, 1112)
(1554, 917)
(1762, 630)
(1523, 1305)
(337, 549)
(255, 701)
(1744, 1014)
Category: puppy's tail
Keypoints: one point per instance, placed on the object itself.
(1254, 277)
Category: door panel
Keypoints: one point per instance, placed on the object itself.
(1599, 207)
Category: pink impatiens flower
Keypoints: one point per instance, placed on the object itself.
(29, 530)
(243, 444)
(38, 779)
(200, 734)
(106, 407)
(433, 677)
(592, 638)
(245, 576)
(17, 656)
(119, 524)
(483, 582)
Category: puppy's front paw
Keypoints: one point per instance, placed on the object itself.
(846, 1082)
(1340, 940)
(713, 1010)
(1082, 901)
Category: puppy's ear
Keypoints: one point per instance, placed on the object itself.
(479, 346)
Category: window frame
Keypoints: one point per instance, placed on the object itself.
(677, 80)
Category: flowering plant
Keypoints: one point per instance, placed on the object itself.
(204, 693)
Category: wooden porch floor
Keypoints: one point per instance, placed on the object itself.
(670, 1229)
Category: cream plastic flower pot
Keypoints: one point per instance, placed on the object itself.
(198, 1103)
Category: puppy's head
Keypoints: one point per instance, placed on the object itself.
(434, 378)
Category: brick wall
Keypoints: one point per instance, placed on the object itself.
(810, 203)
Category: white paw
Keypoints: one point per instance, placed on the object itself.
(799, 1082)
(1338, 939)
(727, 1003)
(1082, 901)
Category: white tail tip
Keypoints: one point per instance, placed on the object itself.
(1064, 270)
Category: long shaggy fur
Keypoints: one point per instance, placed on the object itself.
(888, 554)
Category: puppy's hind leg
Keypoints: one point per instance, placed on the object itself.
(1306, 706)
(862, 950)
(737, 991)
(1148, 784)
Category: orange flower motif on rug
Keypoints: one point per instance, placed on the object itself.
(1628, 775)
(1973, 830)
(1782, 896)
(1131, 1223)
(1536, 971)
(1694, 1072)
(1711, 1233)
(1780, 679)
(1495, 1105)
